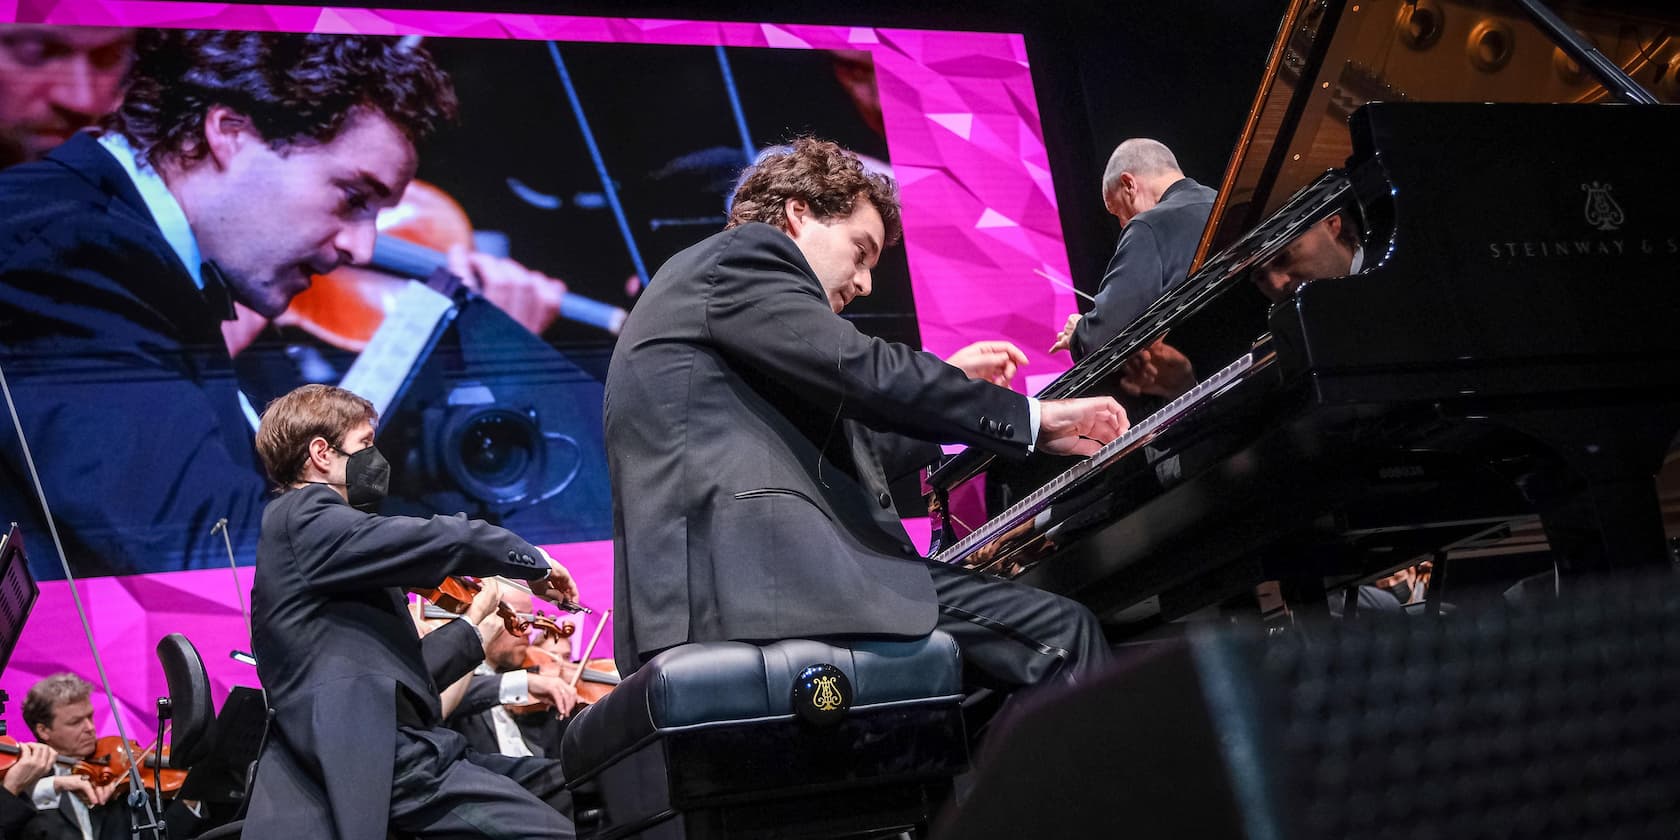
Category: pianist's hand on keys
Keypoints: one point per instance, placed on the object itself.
(1079, 426)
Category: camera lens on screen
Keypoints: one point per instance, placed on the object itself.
(497, 454)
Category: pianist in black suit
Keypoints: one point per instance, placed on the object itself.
(1161, 215)
(751, 432)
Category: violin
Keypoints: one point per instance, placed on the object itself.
(596, 679)
(346, 306)
(455, 595)
(592, 679)
(108, 763)
(109, 756)
(10, 751)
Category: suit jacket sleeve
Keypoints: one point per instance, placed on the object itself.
(900, 455)
(1132, 282)
(182, 821)
(765, 308)
(339, 548)
(14, 812)
(452, 651)
(484, 692)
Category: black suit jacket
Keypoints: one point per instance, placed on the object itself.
(15, 812)
(111, 821)
(121, 375)
(335, 646)
(1152, 257)
(742, 420)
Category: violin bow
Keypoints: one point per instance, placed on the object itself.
(149, 817)
(594, 148)
(590, 648)
(568, 606)
(748, 153)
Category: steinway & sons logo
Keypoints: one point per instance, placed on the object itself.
(1602, 213)
(828, 696)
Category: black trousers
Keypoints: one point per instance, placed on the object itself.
(443, 790)
(1015, 634)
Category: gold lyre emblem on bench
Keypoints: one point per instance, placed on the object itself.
(828, 696)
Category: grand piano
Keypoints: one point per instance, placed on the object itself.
(1507, 355)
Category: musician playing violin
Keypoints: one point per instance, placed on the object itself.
(357, 745)
(484, 717)
(59, 713)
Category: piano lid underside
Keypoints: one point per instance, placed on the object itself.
(1335, 55)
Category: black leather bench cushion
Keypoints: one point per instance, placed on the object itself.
(711, 683)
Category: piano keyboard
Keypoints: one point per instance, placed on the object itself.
(1134, 437)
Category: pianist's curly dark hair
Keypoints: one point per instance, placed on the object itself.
(826, 176)
(294, 88)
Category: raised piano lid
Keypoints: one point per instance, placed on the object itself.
(1331, 56)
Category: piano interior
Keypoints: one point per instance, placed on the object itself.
(1494, 391)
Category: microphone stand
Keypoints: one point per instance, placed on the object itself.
(165, 712)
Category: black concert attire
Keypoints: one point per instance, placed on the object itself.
(357, 745)
(1152, 256)
(751, 434)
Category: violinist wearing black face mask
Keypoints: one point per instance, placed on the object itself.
(357, 747)
(367, 475)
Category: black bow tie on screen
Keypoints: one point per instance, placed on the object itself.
(217, 296)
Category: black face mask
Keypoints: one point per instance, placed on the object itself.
(367, 475)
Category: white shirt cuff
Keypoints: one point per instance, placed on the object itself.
(516, 687)
(1032, 420)
(44, 796)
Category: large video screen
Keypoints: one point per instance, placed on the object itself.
(587, 151)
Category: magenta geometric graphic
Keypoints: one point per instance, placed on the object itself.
(980, 220)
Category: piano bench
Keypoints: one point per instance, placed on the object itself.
(795, 738)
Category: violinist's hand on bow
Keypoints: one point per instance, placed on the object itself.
(993, 361)
(530, 297)
(552, 690)
(558, 587)
(35, 761)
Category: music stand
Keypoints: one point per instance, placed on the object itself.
(17, 598)
(236, 739)
(17, 592)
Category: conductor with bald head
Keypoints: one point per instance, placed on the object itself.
(1161, 215)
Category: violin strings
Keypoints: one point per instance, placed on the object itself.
(75, 595)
